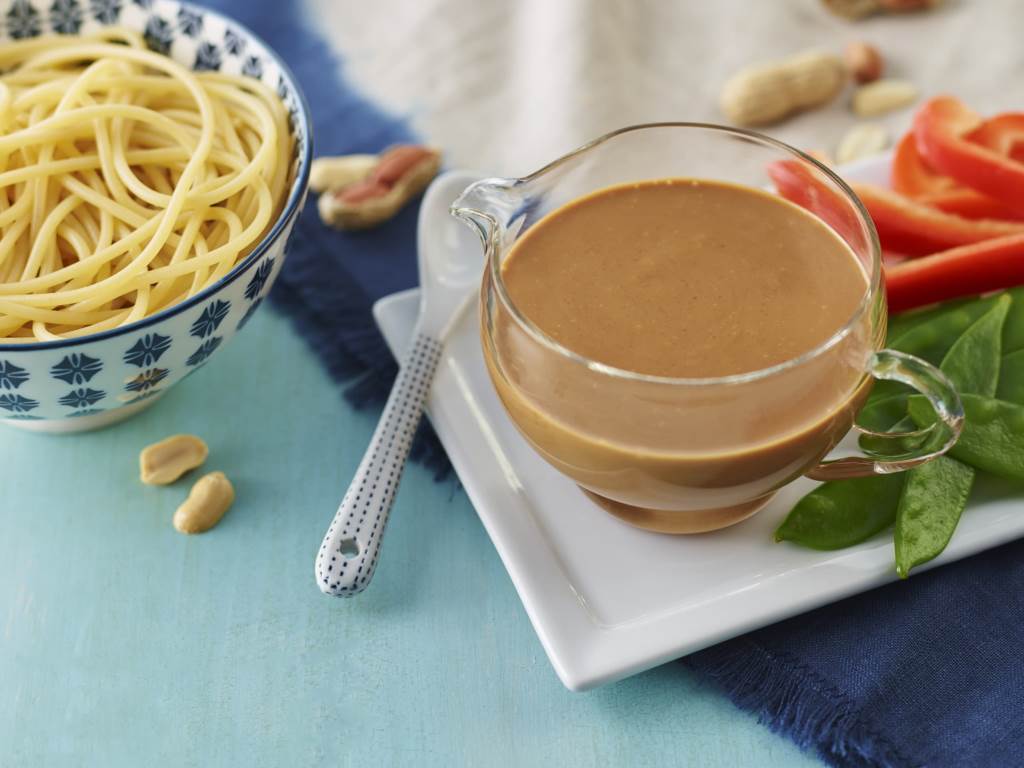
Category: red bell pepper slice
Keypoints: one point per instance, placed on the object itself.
(912, 228)
(970, 204)
(800, 183)
(1003, 133)
(941, 130)
(963, 271)
(911, 175)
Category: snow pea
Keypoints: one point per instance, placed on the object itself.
(935, 494)
(993, 435)
(957, 315)
(933, 497)
(906, 321)
(974, 359)
(1013, 330)
(880, 414)
(1011, 376)
(932, 338)
(902, 324)
(904, 336)
(843, 512)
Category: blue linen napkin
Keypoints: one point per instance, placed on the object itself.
(925, 672)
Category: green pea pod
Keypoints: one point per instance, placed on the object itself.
(973, 361)
(968, 310)
(926, 502)
(933, 340)
(882, 413)
(882, 391)
(906, 321)
(931, 337)
(934, 495)
(993, 435)
(889, 415)
(842, 513)
(930, 505)
(1013, 330)
(1011, 375)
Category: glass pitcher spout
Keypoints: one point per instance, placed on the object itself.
(490, 206)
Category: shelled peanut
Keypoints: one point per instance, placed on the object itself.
(209, 499)
(164, 462)
(883, 96)
(862, 140)
(362, 191)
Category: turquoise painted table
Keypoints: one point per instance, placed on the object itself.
(126, 643)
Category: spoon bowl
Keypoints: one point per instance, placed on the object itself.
(449, 278)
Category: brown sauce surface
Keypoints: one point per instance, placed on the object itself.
(684, 278)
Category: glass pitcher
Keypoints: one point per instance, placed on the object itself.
(684, 455)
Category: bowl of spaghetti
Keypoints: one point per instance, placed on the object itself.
(153, 159)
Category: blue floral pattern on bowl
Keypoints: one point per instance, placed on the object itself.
(23, 20)
(212, 317)
(11, 376)
(147, 350)
(76, 368)
(206, 349)
(146, 381)
(85, 383)
(82, 398)
(105, 11)
(18, 403)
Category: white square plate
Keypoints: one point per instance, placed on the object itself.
(608, 600)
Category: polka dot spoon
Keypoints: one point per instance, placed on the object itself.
(450, 269)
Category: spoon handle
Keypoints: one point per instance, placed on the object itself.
(348, 555)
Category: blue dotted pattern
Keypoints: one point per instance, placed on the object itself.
(348, 555)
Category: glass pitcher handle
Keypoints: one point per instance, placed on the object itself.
(928, 443)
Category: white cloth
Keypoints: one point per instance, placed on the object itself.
(506, 86)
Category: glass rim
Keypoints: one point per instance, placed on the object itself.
(871, 291)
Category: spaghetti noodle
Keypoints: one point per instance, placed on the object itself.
(128, 183)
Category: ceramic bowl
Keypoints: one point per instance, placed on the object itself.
(68, 386)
